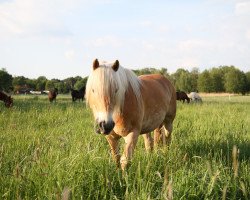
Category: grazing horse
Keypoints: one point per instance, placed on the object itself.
(52, 95)
(78, 94)
(126, 106)
(8, 101)
(194, 96)
(182, 96)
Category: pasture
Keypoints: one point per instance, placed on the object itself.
(50, 151)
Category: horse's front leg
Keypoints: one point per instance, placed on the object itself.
(113, 140)
(130, 143)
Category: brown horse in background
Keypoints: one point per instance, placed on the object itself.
(8, 101)
(52, 95)
(182, 96)
(125, 106)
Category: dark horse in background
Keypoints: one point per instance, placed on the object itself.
(52, 95)
(182, 96)
(8, 101)
(78, 94)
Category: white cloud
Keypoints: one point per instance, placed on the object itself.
(70, 54)
(242, 8)
(146, 23)
(148, 45)
(30, 18)
(107, 41)
(163, 28)
(189, 62)
(248, 35)
(191, 45)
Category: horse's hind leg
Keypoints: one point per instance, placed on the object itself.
(148, 141)
(159, 138)
(113, 141)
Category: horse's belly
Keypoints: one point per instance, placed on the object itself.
(152, 121)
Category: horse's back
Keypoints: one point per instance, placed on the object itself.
(156, 86)
(195, 96)
(78, 94)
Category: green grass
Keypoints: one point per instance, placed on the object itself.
(48, 151)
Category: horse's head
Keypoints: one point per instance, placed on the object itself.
(8, 102)
(103, 94)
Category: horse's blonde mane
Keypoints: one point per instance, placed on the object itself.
(107, 81)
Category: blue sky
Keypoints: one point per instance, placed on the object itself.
(59, 38)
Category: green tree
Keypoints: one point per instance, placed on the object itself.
(204, 82)
(194, 74)
(216, 75)
(182, 80)
(49, 85)
(79, 84)
(31, 83)
(5, 80)
(70, 82)
(247, 81)
(40, 83)
(164, 71)
(243, 80)
(19, 80)
(20, 83)
(61, 87)
(235, 81)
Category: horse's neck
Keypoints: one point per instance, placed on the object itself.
(131, 102)
(130, 114)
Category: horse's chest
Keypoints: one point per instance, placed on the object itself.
(123, 127)
(122, 131)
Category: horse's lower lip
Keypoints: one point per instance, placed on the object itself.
(106, 132)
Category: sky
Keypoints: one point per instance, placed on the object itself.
(61, 38)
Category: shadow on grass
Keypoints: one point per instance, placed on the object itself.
(215, 148)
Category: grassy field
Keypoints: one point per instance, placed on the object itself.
(50, 151)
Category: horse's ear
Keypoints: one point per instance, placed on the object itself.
(115, 65)
(95, 64)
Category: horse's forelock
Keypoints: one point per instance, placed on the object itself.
(109, 82)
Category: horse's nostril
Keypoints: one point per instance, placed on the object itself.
(106, 127)
(102, 124)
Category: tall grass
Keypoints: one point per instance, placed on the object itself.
(50, 151)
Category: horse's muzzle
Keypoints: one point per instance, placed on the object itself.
(105, 127)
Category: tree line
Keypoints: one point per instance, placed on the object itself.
(218, 79)
(22, 84)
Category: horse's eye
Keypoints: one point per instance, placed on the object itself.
(116, 90)
(93, 90)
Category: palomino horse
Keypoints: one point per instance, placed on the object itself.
(182, 96)
(52, 95)
(125, 105)
(8, 101)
